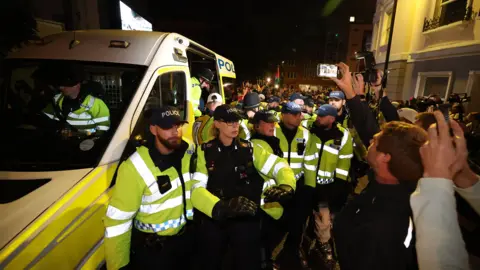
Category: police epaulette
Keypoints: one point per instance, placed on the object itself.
(245, 143)
(207, 145)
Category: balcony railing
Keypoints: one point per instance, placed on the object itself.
(448, 17)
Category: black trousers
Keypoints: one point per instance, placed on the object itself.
(233, 244)
(167, 253)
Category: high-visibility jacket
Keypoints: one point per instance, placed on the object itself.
(137, 200)
(202, 129)
(269, 166)
(93, 115)
(196, 96)
(308, 123)
(246, 129)
(293, 152)
(273, 209)
(359, 149)
(335, 157)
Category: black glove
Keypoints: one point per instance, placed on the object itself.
(279, 194)
(235, 207)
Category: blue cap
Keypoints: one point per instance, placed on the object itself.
(274, 99)
(337, 95)
(327, 110)
(295, 96)
(291, 107)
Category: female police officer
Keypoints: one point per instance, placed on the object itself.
(229, 190)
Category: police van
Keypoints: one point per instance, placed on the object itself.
(55, 188)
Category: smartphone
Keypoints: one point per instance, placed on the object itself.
(327, 70)
(445, 110)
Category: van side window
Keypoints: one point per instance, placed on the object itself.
(170, 89)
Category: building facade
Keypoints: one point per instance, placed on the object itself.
(359, 39)
(435, 47)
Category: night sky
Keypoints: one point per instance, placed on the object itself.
(253, 33)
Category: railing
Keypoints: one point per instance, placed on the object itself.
(451, 16)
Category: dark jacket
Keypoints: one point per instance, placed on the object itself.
(388, 110)
(375, 230)
(364, 120)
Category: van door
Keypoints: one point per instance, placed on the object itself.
(169, 86)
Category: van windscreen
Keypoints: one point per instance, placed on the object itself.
(61, 115)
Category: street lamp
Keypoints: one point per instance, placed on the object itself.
(276, 86)
(268, 79)
(352, 18)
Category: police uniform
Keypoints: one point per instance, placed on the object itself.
(273, 227)
(88, 115)
(327, 162)
(359, 165)
(85, 114)
(231, 182)
(293, 150)
(147, 216)
(271, 144)
(203, 126)
(293, 144)
(207, 75)
(251, 102)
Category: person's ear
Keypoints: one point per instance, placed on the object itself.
(153, 130)
(385, 158)
(217, 124)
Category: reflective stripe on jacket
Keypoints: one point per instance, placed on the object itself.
(291, 152)
(137, 201)
(269, 166)
(92, 116)
(335, 159)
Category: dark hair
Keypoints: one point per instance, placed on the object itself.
(426, 119)
(403, 141)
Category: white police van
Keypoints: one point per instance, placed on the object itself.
(54, 191)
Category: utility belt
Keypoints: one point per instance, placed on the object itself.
(142, 240)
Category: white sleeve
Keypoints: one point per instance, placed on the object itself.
(439, 242)
(471, 195)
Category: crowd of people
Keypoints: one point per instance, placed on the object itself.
(282, 179)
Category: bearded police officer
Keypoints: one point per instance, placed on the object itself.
(327, 162)
(147, 224)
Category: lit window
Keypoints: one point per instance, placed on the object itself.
(387, 21)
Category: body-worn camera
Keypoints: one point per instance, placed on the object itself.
(366, 66)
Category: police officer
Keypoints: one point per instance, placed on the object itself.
(293, 141)
(205, 78)
(326, 163)
(359, 165)
(273, 229)
(251, 103)
(293, 137)
(75, 106)
(152, 195)
(231, 174)
(308, 109)
(337, 100)
(274, 106)
(202, 128)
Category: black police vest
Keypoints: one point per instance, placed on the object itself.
(231, 172)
